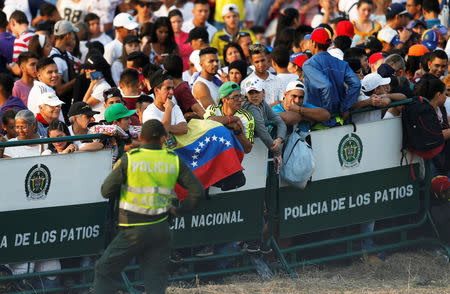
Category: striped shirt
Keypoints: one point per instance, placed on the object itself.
(21, 44)
(246, 118)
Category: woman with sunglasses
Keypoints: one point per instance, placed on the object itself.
(145, 9)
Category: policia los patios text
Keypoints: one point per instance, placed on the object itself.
(145, 179)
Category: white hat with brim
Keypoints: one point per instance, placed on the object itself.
(125, 20)
(195, 59)
(253, 84)
(372, 81)
(295, 85)
(229, 8)
(49, 99)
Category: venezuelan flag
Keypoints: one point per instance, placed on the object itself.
(211, 151)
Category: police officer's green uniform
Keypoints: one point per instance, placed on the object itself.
(145, 179)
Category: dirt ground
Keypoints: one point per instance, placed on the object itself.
(406, 272)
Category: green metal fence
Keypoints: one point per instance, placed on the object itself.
(233, 217)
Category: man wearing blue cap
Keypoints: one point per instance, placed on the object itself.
(396, 21)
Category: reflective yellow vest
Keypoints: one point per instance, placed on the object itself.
(151, 178)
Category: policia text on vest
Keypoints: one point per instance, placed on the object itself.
(144, 179)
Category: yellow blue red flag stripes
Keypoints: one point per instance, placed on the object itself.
(211, 151)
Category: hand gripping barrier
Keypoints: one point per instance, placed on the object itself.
(353, 183)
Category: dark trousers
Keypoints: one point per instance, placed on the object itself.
(149, 244)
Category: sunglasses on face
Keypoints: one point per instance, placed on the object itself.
(143, 4)
(235, 97)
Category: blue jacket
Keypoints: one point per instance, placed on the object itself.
(331, 84)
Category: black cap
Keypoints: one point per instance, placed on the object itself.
(81, 108)
(240, 65)
(96, 62)
(158, 77)
(153, 129)
(387, 71)
(198, 33)
(131, 39)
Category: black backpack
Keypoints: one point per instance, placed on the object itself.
(422, 132)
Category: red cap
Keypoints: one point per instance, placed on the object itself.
(345, 28)
(440, 184)
(375, 57)
(320, 35)
(299, 60)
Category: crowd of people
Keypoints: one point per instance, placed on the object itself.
(68, 67)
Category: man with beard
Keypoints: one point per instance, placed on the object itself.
(206, 86)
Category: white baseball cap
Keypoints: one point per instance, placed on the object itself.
(389, 35)
(372, 81)
(195, 59)
(126, 21)
(253, 84)
(50, 99)
(229, 8)
(295, 85)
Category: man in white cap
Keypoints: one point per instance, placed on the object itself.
(124, 25)
(201, 14)
(374, 92)
(49, 110)
(294, 111)
(230, 15)
(65, 38)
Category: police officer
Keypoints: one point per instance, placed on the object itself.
(144, 179)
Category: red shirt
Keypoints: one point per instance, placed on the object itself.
(184, 97)
(131, 105)
(185, 49)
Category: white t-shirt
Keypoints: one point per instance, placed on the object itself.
(284, 79)
(63, 68)
(152, 112)
(113, 50)
(24, 151)
(189, 25)
(388, 115)
(272, 87)
(104, 9)
(97, 93)
(369, 116)
(187, 11)
(116, 70)
(78, 143)
(73, 11)
(186, 76)
(12, 5)
(163, 11)
(103, 38)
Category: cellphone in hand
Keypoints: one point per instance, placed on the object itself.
(96, 75)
